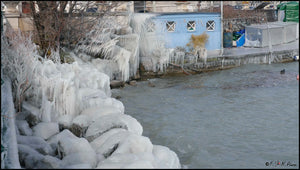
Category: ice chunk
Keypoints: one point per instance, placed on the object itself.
(36, 143)
(45, 130)
(23, 127)
(107, 122)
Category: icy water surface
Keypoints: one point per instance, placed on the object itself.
(245, 117)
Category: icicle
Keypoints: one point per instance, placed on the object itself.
(45, 109)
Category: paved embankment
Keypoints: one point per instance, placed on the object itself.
(234, 57)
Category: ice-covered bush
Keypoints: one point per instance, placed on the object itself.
(19, 57)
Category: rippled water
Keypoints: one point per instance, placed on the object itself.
(237, 118)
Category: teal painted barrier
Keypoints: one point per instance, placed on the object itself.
(227, 39)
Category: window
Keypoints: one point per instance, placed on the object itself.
(191, 26)
(150, 26)
(170, 26)
(210, 25)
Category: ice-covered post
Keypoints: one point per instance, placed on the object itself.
(222, 28)
(270, 45)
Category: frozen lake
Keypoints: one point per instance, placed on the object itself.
(245, 117)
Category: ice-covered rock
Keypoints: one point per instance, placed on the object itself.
(23, 127)
(161, 158)
(85, 159)
(53, 140)
(29, 158)
(166, 157)
(124, 142)
(45, 130)
(31, 113)
(65, 122)
(101, 110)
(69, 146)
(139, 165)
(128, 160)
(88, 116)
(73, 150)
(49, 162)
(90, 77)
(107, 122)
(37, 143)
(78, 166)
(96, 143)
(89, 98)
(134, 144)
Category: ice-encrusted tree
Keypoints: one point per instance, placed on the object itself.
(65, 22)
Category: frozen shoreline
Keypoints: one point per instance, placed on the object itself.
(108, 138)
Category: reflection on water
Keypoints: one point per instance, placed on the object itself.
(237, 118)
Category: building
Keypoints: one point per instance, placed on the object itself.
(172, 6)
(176, 29)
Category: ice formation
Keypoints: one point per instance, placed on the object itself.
(109, 131)
(102, 42)
(153, 54)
